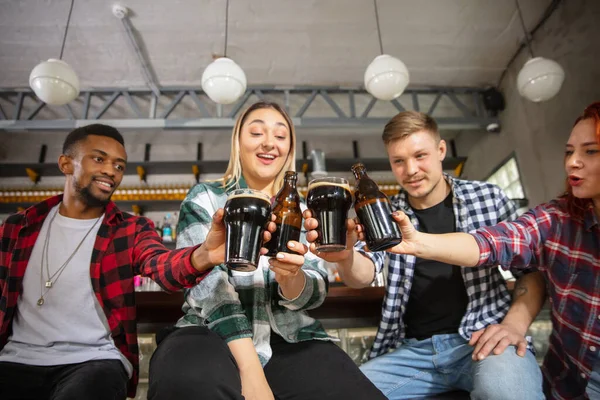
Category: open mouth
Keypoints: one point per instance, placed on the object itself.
(266, 158)
(575, 180)
(104, 185)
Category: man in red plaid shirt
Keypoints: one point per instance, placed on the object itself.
(67, 304)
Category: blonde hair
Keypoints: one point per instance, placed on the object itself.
(234, 168)
(408, 122)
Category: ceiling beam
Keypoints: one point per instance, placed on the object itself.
(190, 108)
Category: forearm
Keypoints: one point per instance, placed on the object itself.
(245, 355)
(451, 248)
(529, 295)
(292, 287)
(357, 271)
(172, 270)
(201, 259)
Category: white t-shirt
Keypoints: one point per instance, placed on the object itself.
(70, 327)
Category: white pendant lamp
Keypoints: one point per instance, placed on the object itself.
(540, 79)
(223, 81)
(54, 81)
(386, 77)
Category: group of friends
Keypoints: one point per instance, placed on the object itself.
(448, 321)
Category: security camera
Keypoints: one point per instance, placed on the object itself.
(493, 127)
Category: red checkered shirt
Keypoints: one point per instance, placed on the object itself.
(125, 246)
(567, 250)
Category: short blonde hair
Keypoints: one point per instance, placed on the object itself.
(234, 168)
(408, 122)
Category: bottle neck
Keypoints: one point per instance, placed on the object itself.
(291, 183)
(360, 173)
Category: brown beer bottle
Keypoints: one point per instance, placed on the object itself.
(288, 216)
(374, 211)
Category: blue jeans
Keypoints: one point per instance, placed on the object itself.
(443, 363)
(593, 387)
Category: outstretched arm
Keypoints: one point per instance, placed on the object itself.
(449, 248)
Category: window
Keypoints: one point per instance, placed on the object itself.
(508, 178)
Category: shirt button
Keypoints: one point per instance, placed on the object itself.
(593, 349)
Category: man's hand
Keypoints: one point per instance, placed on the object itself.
(311, 224)
(212, 251)
(495, 339)
(410, 236)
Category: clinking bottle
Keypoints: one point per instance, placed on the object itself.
(374, 211)
(288, 216)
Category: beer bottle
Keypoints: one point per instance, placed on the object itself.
(288, 216)
(374, 211)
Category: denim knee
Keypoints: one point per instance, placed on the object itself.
(507, 376)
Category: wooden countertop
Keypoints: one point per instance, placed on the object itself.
(344, 307)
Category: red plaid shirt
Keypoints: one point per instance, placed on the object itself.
(125, 246)
(567, 251)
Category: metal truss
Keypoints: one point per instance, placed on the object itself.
(190, 108)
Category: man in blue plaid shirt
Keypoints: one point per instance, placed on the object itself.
(443, 327)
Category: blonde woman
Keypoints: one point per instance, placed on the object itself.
(246, 335)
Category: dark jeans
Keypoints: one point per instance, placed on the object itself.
(91, 380)
(195, 363)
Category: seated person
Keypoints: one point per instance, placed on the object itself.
(246, 335)
(67, 304)
(433, 313)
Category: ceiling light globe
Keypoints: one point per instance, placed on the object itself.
(386, 77)
(540, 79)
(54, 82)
(224, 81)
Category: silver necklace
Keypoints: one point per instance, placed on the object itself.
(54, 278)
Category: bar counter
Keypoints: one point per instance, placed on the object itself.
(344, 307)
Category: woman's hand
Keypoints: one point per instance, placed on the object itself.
(288, 269)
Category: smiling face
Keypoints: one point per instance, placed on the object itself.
(582, 161)
(265, 142)
(416, 162)
(94, 168)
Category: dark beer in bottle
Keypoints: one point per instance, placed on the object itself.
(374, 212)
(288, 216)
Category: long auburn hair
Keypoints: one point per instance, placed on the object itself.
(577, 206)
(234, 168)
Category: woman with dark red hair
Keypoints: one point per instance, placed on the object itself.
(562, 239)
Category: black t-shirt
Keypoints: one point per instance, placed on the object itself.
(438, 298)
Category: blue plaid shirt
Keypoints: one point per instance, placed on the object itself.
(475, 204)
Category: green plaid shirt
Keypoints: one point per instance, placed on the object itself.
(245, 304)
